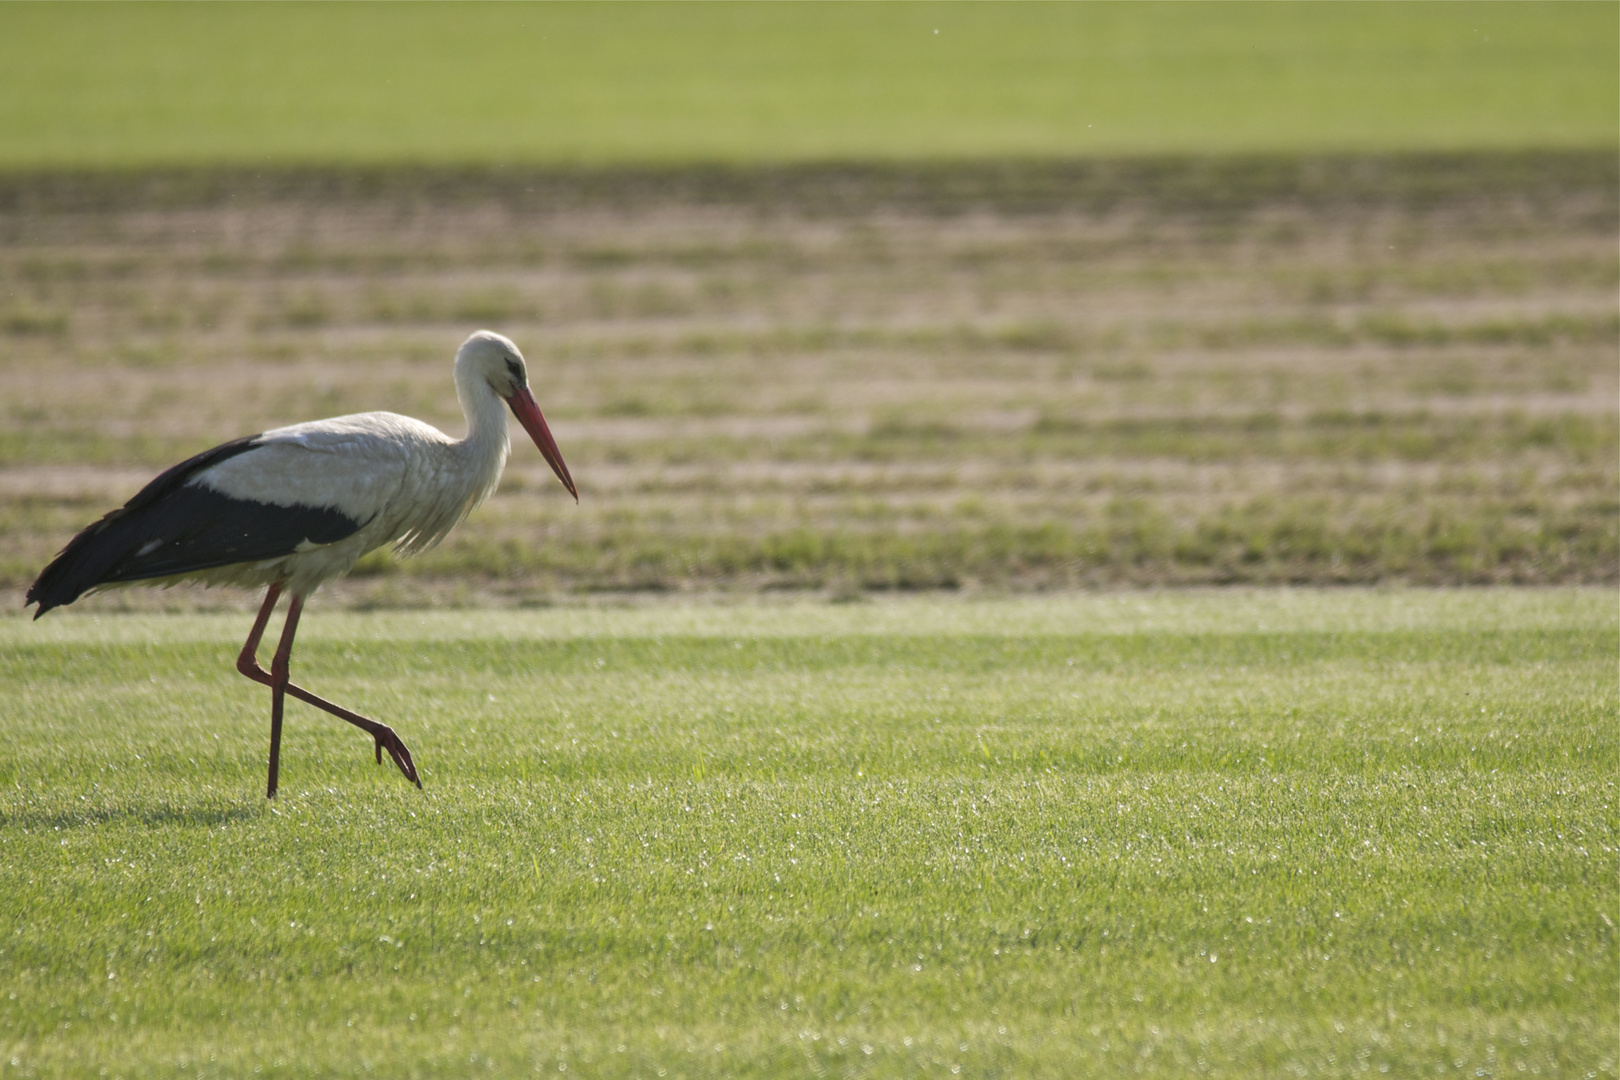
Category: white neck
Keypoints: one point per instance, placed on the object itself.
(465, 472)
(483, 408)
(484, 451)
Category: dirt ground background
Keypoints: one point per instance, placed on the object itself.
(981, 378)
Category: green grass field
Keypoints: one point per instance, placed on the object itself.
(824, 301)
(141, 84)
(1235, 833)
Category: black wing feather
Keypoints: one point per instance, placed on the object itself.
(173, 527)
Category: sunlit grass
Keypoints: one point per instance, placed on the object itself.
(136, 85)
(1098, 834)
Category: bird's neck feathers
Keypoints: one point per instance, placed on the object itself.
(484, 409)
(462, 473)
(487, 445)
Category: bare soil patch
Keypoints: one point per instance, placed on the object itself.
(971, 377)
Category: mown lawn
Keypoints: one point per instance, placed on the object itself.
(116, 86)
(1317, 832)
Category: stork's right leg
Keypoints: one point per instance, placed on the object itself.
(384, 736)
(280, 684)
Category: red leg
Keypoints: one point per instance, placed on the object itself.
(279, 681)
(247, 662)
(277, 700)
(279, 665)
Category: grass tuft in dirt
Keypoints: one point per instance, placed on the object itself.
(1010, 376)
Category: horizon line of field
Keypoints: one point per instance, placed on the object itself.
(1271, 609)
(1220, 182)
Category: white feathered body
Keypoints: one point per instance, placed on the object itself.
(408, 483)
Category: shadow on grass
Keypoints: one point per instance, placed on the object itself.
(138, 814)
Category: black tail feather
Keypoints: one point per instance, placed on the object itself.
(84, 563)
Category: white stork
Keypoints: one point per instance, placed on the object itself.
(296, 507)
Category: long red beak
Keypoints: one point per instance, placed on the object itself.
(528, 414)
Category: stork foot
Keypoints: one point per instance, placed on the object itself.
(381, 734)
(387, 740)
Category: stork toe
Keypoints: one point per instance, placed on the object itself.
(387, 740)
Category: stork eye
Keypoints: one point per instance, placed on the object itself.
(515, 370)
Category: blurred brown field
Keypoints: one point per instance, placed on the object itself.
(1009, 377)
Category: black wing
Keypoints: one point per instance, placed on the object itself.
(173, 527)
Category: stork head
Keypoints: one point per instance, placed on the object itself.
(493, 358)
